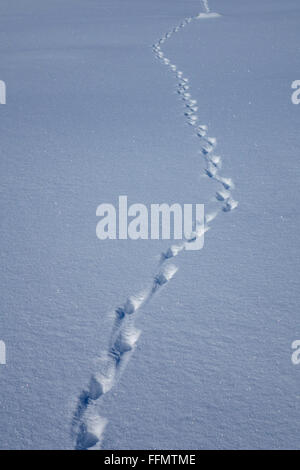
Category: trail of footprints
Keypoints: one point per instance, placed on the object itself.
(87, 426)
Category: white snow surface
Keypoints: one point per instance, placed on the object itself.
(92, 114)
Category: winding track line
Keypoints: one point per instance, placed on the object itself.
(87, 425)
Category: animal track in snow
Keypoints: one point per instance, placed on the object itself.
(87, 426)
